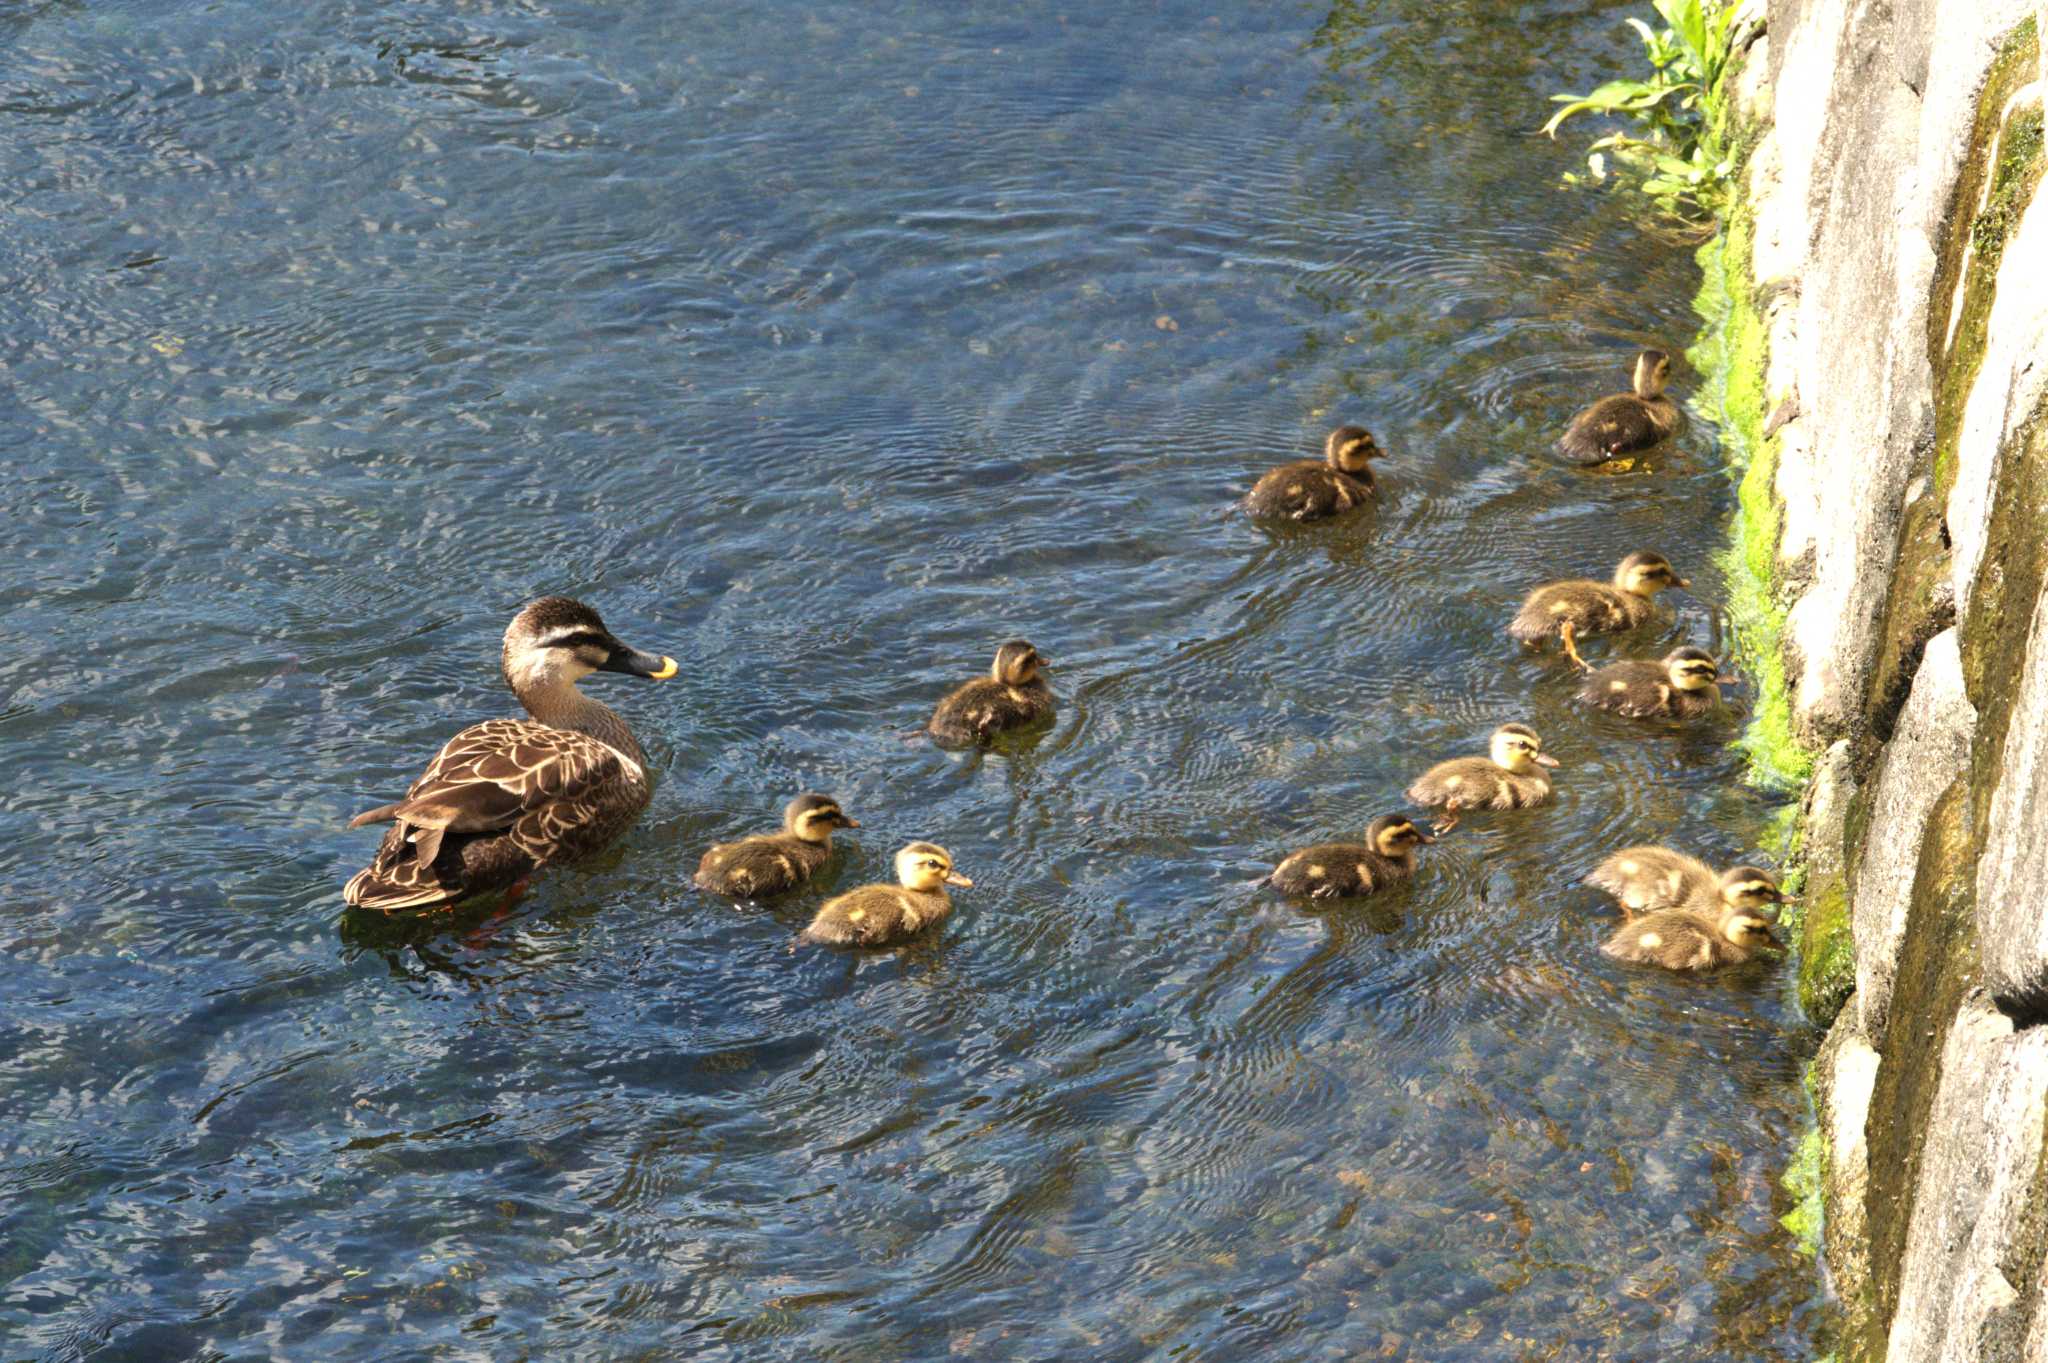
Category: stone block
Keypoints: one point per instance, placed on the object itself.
(2012, 873)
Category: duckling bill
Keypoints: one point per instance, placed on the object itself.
(1309, 491)
(1014, 695)
(1625, 422)
(1578, 606)
(1684, 685)
(776, 863)
(1342, 870)
(1510, 776)
(507, 798)
(878, 915)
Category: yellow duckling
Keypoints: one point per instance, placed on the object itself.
(1625, 422)
(1582, 606)
(1679, 940)
(775, 863)
(1340, 870)
(1308, 491)
(1509, 777)
(877, 915)
(1685, 685)
(1013, 695)
(1648, 879)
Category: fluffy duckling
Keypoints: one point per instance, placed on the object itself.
(1012, 696)
(774, 863)
(1582, 606)
(1340, 870)
(1678, 940)
(1509, 777)
(1685, 685)
(1650, 879)
(1625, 422)
(877, 915)
(1308, 491)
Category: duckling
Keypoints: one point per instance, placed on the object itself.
(1308, 491)
(773, 863)
(508, 797)
(1012, 696)
(1679, 940)
(876, 915)
(1648, 879)
(1582, 606)
(1340, 870)
(1685, 685)
(1509, 777)
(1625, 422)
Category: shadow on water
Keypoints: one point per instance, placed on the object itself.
(325, 351)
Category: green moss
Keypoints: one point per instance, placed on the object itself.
(1804, 1182)
(1732, 352)
(1827, 951)
(2012, 185)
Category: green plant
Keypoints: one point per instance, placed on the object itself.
(1678, 146)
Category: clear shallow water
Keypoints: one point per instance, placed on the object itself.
(823, 349)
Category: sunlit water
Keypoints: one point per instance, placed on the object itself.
(824, 348)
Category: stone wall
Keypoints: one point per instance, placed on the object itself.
(1899, 258)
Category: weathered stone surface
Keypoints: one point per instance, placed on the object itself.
(1929, 748)
(1982, 1148)
(2012, 874)
(2009, 387)
(1845, 1073)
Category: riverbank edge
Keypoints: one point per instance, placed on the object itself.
(1925, 1179)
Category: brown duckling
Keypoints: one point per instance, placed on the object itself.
(1509, 777)
(774, 863)
(876, 915)
(1648, 879)
(1625, 422)
(1680, 940)
(1013, 695)
(1308, 491)
(1341, 870)
(1685, 685)
(1582, 606)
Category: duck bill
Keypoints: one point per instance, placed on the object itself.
(634, 663)
(1685, 584)
(850, 823)
(1544, 759)
(955, 878)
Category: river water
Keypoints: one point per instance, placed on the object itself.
(824, 347)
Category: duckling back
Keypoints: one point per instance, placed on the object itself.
(1589, 607)
(1478, 783)
(983, 708)
(877, 915)
(1642, 690)
(1309, 491)
(771, 863)
(1647, 879)
(1618, 425)
(1338, 870)
(1676, 939)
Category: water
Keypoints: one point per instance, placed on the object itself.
(824, 348)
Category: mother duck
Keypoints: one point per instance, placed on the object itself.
(509, 797)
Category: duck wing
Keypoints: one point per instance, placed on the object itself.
(533, 783)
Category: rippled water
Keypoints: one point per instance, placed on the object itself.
(823, 348)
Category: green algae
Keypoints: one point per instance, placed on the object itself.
(1827, 950)
(1732, 352)
(1803, 1180)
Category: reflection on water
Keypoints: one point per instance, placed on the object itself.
(822, 349)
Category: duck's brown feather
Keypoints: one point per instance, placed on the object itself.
(1675, 940)
(1647, 879)
(501, 800)
(1338, 870)
(1590, 607)
(1642, 690)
